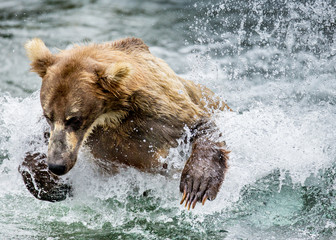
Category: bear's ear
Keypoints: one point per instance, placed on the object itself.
(40, 56)
(113, 75)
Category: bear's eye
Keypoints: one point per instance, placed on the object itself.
(74, 122)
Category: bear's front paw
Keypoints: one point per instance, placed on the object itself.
(40, 182)
(202, 177)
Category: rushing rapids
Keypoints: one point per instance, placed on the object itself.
(273, 62)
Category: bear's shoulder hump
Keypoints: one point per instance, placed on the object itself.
(130, 45)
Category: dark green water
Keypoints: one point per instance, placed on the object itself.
(272, 61)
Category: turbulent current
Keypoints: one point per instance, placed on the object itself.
(273, 62)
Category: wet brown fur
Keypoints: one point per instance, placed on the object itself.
(132, 105)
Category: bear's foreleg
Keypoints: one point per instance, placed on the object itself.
(40, 182)
(203, 173)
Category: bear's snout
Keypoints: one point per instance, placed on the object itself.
(57, 169)
(60, 163)
(62, 151)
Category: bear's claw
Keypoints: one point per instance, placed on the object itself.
(192, 199)
(199, 195)
(204, 199)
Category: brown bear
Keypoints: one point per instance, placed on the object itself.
(130, 108)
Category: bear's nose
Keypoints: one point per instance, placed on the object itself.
(57, 169)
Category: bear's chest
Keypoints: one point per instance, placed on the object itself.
(140, 149)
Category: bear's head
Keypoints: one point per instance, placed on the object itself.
(79, 91)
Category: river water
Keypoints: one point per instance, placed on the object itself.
(272, 61)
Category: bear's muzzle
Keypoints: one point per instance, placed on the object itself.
(62, 150)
